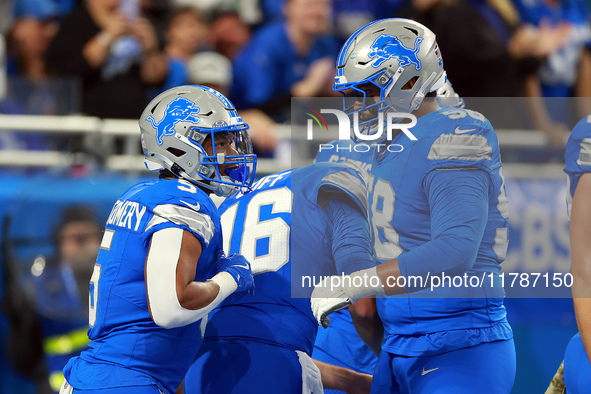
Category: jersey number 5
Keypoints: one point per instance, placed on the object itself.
(93, 294)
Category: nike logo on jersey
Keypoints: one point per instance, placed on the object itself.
(127, 214)
(459, 131)
(242, 266)
(423, 372)
(195, 207)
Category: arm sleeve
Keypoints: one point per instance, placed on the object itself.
(161, 264)
(458, 201)
(351, 246)
(198, 223)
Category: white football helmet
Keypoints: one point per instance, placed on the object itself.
(176, 125)
(387, 54)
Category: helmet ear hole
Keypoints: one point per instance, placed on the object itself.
(176, 152)
(410, 83)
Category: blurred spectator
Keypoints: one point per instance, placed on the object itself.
(347, 16)
(26, 90)
(215, 71)
(228, 33)
(284, 59)
(248, 11)
(477, 40)
(488, 51)
(49, 326)
(28, 39)
(566, 71)
(558, 74)
(28, 8)
(157, 12)
(114, 51)
(186, 32)
(61, 289)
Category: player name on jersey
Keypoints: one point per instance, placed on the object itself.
(127, 214)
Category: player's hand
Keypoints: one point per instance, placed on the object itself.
(116, 26)
(143, 30)
(319, 72)
(237, 266)
(325, 300)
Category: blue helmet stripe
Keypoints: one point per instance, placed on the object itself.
(219, 95)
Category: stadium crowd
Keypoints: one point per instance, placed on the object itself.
(110, 57)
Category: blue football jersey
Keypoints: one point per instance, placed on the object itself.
(447, 139)
(279, 222)
(127, 347)
(347, 152)
(577, 156)
(340, 340)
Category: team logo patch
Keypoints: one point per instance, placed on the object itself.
(386, 47)
(179, 110)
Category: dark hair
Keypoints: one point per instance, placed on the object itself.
(74, 213)
(77, 213)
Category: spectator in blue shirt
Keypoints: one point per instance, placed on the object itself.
(284, 59)
(186, 32)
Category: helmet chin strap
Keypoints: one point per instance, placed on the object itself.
(420, 95)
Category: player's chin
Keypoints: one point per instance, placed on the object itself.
(366, 115)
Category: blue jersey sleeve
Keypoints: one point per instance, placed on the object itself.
(458, 203)
(348, 182)
(180, 204)
(577, 156)
(351, 246)
(469, 142)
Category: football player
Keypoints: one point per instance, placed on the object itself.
(339, 343)
(308, 222)
(161, 266)
(437, 206)
(577, 370)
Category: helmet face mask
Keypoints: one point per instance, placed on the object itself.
(364, 104)
(177, 130)
(230, 162)
(388, 54)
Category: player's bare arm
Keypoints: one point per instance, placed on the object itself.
(343, 379)
(368, 324)
(580, 228)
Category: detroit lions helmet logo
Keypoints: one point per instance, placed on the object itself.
(386, 47)
(180, 109)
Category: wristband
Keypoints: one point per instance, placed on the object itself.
(226, 283)
(363, 283)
